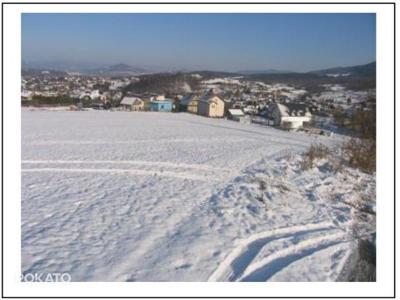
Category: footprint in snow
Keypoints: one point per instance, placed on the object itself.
(184, 266)
(216, 253)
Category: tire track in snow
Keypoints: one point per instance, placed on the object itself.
(135, 142)
(266, 268)
(128, 162)
(238, 265)
(119, 171)
(163, 169)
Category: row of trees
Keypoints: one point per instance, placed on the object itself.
(38, 100)
(164, 83)
(361, 150)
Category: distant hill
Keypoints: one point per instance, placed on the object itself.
(119, 69)
(360, 70)
(84, 68)
(268, 71)
(361, 77)
(164, 83)
(367, 70)
(42, 72)
(212, 74)
(292, 78)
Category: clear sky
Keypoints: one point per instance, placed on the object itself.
(230, 42)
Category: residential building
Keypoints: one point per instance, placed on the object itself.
(289, 115)
(161, 105)
(190, 103)
(132, 103)
(211, 105)
(235, 114)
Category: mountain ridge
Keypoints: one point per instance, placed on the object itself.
(365, 70)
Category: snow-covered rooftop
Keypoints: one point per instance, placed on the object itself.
(130, 100)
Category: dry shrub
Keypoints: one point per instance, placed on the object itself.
(287, 155)
(361, 154)
(337, 164)
(314, 152)
(306, 163)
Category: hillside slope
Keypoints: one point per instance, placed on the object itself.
(119, 196)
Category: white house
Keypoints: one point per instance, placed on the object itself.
(289, 115)
(132, 103)
(211, 105)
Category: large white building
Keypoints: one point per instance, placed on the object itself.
(290, 115)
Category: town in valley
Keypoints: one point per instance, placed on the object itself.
(318, 102)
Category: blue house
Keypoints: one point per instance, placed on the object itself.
(161, 105)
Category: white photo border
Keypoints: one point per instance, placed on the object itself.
(11, 160)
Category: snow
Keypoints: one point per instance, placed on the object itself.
(338, 74)
(236, 112)
(48, 108)
(130, 100)
(334, 87)
(339, 95)
(222, 81)
(130, 196)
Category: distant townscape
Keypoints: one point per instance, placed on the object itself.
(325, 99)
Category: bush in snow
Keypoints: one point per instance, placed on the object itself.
(314, 152)
(361, 154)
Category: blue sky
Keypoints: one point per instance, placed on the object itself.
(230, 42)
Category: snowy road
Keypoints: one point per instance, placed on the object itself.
(117, 196)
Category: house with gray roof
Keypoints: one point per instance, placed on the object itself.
(289, 115)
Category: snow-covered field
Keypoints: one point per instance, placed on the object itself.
(339, 94)
(123, 196)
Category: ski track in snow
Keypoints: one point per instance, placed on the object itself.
(128, 162)
(235, 265)
(267, 267)
(183, 171)
(118, 171)
(172, 197)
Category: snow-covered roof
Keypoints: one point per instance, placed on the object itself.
(210, 99)
(210, 96)
(236, 112)
(187, 98)
(130, 100)
(292, 109)
(166, 100)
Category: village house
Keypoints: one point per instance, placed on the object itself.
(138, 105)
(235, 114)
(190, 103)
(158, 98)
(289, 115)
(132, 103)
(211, 105)
(161, 105)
